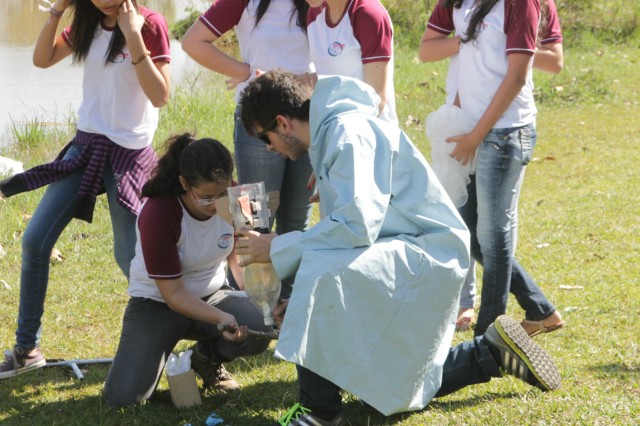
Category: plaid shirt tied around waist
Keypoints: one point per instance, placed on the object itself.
(131, 169)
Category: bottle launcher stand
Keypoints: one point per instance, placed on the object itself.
(74, 363)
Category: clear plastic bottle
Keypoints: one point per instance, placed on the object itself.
(262, 285)
(249, 207)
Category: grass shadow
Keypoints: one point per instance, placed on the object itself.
(361, 413)
(623, 371)
(255, 404)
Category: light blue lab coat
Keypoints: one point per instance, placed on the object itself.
(377, 280)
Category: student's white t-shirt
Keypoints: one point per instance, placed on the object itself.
(171, 244)
(276, 42)
(363, 35)
(113, 102)
(551, 34)
(508, 28)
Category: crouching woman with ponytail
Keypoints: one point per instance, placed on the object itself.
(178, 283)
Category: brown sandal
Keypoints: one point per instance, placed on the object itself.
(466, 316)
(538, 327)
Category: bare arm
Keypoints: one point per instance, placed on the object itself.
(198, 43)
(154, 78)
(50, 49)
(549, 58)
(436, 46)
(511, 85)
(234, 265)
(187, 304)
(375, 75)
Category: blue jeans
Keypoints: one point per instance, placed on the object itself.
(53, 214)
(255, 163)
(468, 363)
(491, 213)
(469, 290)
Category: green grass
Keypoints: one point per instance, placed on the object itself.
(579, 216)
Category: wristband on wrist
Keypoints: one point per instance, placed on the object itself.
(141, 58)
(55, 12)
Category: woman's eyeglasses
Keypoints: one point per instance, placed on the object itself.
(204, 202)
(268, 128)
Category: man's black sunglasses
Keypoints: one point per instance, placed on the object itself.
(269, 127)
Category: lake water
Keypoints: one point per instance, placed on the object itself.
(53, 95)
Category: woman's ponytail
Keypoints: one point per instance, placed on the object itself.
(165, 179)
(197, 161)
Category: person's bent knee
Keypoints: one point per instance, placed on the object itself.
(34, 243)
(257, 346)
(117, 398)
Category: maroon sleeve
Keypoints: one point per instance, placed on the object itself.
(553, 32)
(441, 19)
(155, 35)
(313, 13)
(521, 26)
(367, 18)
(159, 226)
(223, 15)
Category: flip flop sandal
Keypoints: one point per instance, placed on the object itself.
(539, 327)
(463, 323)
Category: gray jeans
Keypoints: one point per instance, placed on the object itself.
(151, 330)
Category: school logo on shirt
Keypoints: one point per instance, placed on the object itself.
(335, 49)
(225, 241)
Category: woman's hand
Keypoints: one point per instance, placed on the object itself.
(233, 82)
(253, 247)
(241, 332)
(61, 5)
(465, 149)
(129, 21)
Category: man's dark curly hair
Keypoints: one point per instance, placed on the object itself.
(275, 92)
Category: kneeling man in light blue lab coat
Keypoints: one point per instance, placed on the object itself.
(377, 279)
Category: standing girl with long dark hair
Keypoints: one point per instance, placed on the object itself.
(495, 42)
(541, 316)
(124, 49)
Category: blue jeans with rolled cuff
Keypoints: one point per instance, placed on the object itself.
(51, 217)
(491, 213)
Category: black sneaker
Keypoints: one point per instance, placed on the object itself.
(520, 356)
(213, 374)
(301, 416)
(20, 360)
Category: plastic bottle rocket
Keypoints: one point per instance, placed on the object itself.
(249, 208)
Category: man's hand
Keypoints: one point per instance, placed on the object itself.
(315, 198)
(279, 311)
(253, 247)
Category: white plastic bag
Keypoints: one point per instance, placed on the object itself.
(10, 167)
(179, 364)
(446, 121)
(182, 380)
